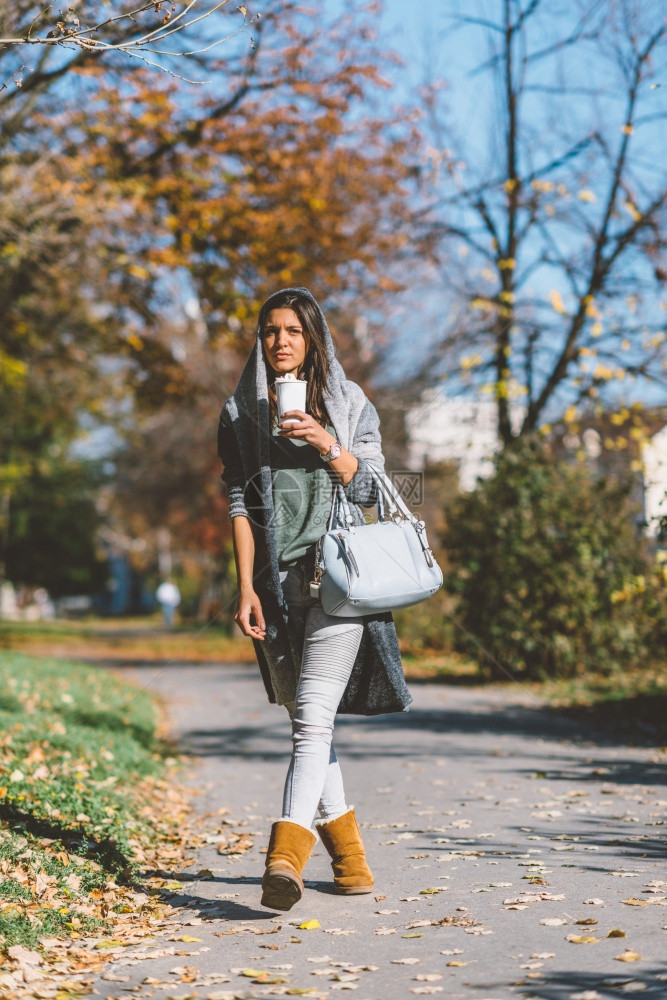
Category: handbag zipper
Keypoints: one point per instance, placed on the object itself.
(348, 552)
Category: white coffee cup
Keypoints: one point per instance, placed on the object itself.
(291, 395)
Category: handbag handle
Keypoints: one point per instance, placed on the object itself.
(388, 499)
(388, 495)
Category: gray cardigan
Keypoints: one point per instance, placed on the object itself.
(376, 684)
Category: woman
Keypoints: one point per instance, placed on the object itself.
(280, 479)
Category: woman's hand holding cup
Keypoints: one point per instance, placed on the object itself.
(304, 426)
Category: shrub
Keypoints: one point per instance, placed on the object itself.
(539, 553)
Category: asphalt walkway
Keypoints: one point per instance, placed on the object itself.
(515, 854)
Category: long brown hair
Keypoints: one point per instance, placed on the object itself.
(315, 368)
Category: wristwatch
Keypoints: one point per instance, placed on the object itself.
(333, 452)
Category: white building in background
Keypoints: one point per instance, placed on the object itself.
(442, 429)
(654, 458)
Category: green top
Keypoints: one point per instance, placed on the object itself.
(302, 493)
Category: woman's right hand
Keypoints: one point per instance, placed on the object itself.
(249, 604)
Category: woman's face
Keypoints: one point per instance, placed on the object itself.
(285, 341)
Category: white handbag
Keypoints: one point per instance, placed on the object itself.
(371, 568)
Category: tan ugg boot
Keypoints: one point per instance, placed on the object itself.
(290, 845)
(342, 839)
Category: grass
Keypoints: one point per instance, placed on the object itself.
(631, 704)
(81, 770)
(141, 640)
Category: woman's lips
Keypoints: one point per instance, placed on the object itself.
(281, 357)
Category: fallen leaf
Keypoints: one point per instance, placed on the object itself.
(456, 964)
(635, 902)
(628, 956)
(309, 925)
(581, 939)
(428, 977)
(615, 932)
(594, 902)
(404, 961)
(23, 956)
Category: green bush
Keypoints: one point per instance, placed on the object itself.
(539, 554)
(426, 627)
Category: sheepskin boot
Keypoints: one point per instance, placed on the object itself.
(290, 845)
(342, 839)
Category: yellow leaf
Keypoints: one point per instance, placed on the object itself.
(570, 414)
(252, 973)
(135, 342)
(556, 301)
(587, 196)
(507, 264)
(627, 129)
(582, 939)
(138, 271)
(309, 925)
(628, 956)
(616, 933)
(591, 308)
(457, 964)
(632, 209)
(188, 939)
(480, 303)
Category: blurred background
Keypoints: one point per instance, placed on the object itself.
(476, 193)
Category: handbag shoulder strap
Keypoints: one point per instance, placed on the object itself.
(389, 500)
(390, 495)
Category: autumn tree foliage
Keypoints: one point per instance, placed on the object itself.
(555, 203)
(179, 211)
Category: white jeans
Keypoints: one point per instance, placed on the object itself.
(314, 780)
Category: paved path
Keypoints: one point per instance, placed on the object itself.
(484, 816)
